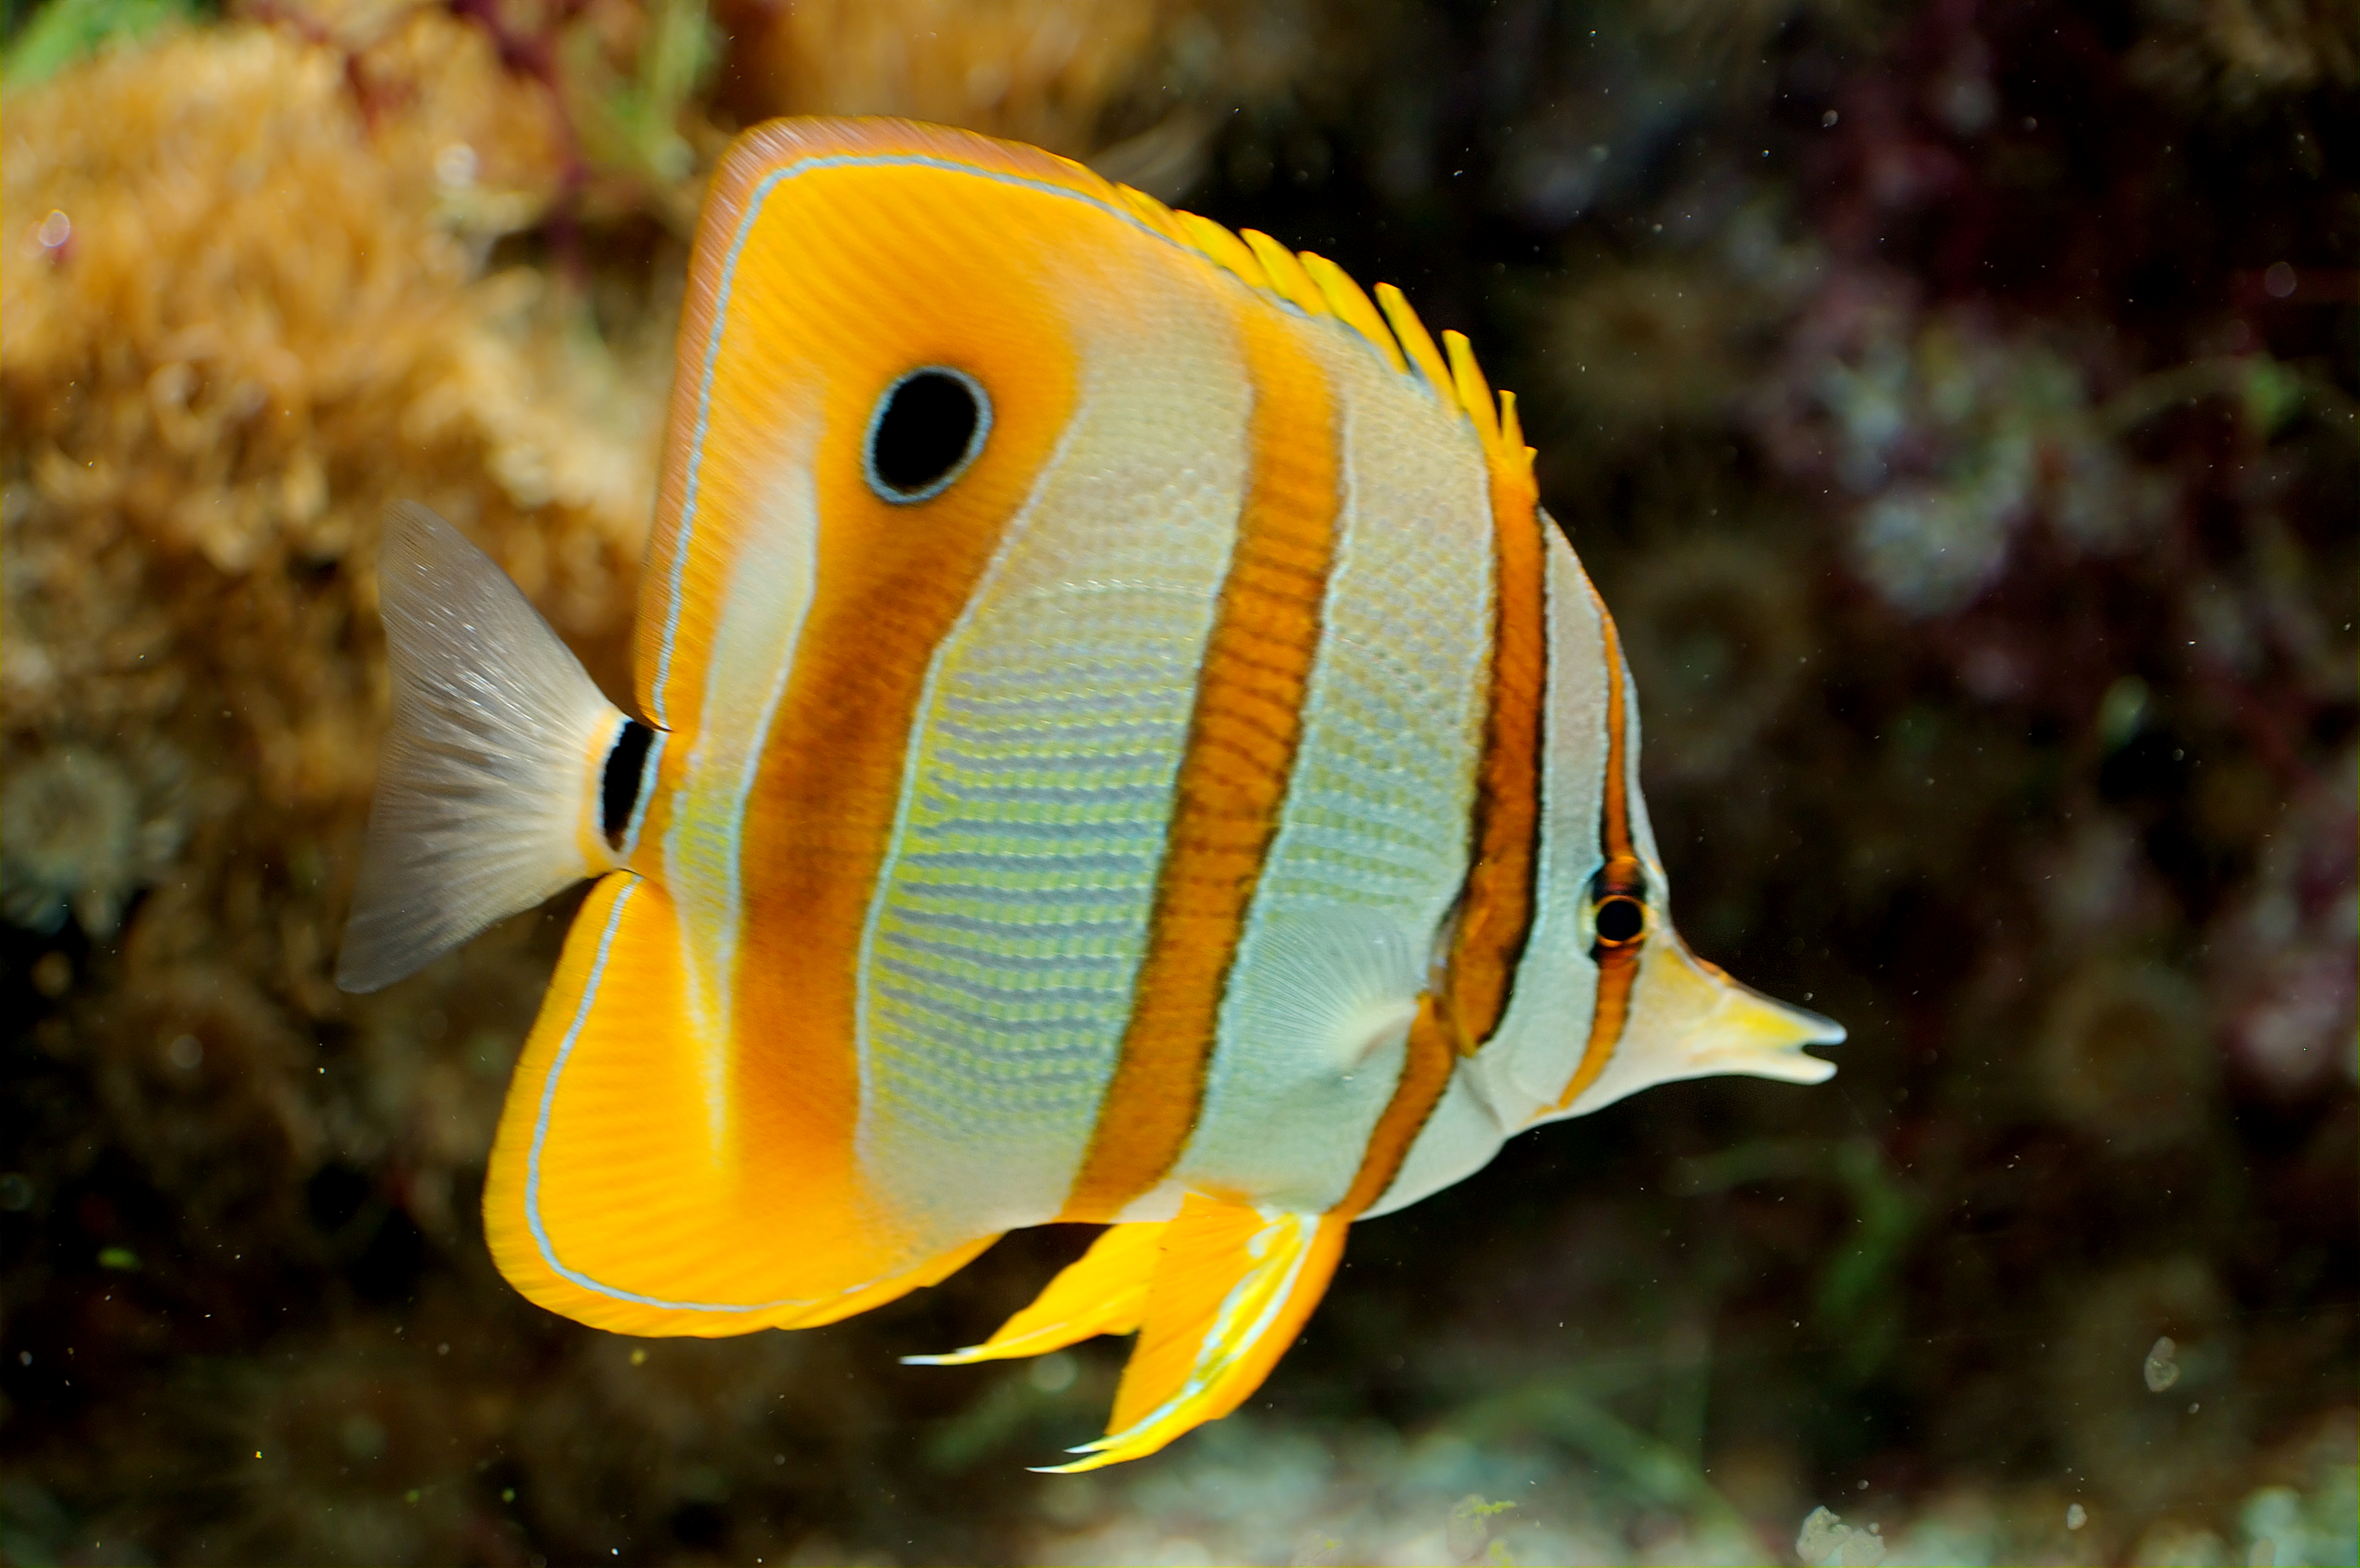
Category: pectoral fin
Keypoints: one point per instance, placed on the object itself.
(1231, 1288)
(1105, 1292)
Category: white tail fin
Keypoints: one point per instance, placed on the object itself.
(488, 794)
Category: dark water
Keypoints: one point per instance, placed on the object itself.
(1957, 406)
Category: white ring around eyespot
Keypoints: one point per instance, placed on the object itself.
(975, 439)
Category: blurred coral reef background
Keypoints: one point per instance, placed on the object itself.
(1956, 401)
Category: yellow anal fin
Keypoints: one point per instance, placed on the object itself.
(616, 1195)
(1104, 1291)
(1231, 1291)
(892, 1288)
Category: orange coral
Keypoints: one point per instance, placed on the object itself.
(1137, 87)
(1038, 73)
(240, 319)
(247, 305)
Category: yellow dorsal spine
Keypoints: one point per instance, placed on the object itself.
(1415, 340)
(1352, 306)
(1512, 430)
(1496, 424)
(1157, 216)
(1320, 287)
(1474, 396)
(1287, 274)
(1224, 248)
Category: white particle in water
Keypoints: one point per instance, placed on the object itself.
(2160, 1370)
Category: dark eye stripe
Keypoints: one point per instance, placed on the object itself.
(1620, 877)
(1500, 893)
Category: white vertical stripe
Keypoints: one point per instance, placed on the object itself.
(913, 755)
(1002, 946)
(1372, 836)
(768, 594)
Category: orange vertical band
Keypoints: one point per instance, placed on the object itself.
(1242, 738)
(1499, 900)
(831, 258)
(1425, 1073)
(1500, 896)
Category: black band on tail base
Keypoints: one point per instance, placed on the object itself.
(618, 789)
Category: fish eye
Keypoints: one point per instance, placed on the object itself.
(1619, 919)
(928, 427)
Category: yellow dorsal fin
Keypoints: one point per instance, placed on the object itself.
(1318, 286)
(1416, 341)
(1223, 246)
(1154, 214)
(1351, 305)
(1496, 423)
(1474, 394)
(1287, 274)
(1512, 430)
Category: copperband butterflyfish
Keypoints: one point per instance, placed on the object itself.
(1117, 740)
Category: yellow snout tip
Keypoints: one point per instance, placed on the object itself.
(1725, 1026)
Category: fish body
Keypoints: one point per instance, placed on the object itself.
(1118, 740)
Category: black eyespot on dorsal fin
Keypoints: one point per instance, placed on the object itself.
(927, 428)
